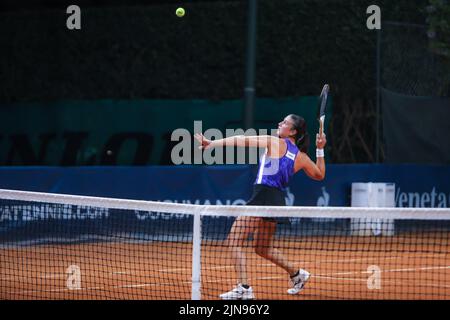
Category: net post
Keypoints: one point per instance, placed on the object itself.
(196, 257)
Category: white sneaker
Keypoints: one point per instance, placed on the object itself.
(238, 293)
(298, 282)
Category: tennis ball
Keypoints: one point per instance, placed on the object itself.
(180, 12)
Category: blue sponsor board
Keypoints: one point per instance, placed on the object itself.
(416, 186)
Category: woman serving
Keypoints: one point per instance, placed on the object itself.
(284, 156)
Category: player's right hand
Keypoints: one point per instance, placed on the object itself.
(321, 141)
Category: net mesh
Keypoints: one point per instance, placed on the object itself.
(73, 247)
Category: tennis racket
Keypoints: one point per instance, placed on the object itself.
(322, 107)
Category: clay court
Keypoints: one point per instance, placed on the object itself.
(410, 268)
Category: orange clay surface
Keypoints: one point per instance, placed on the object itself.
(341, 268)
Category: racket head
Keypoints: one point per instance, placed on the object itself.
(321, 108)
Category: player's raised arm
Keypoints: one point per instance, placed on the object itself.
(263, 141)
(313, 170)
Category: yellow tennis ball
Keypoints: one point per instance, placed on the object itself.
(180, 12)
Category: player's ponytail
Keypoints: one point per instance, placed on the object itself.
(302, 136)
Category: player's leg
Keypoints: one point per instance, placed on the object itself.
(264, 247)
(239, 232)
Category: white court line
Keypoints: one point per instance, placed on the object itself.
(339, 278)
(139, 285)
(43, 276)
(356, 279)
(333, 276)
(402, 256)
(381, 258)
(319, 276)
(324, 276)
(177, 269)
(384, 271)
(416, 284)
(54, 276)
(415, 269)
(270, 278)
(56, 290)
(62, 275)
(303, 262)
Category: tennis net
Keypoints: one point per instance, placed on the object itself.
(55, 246)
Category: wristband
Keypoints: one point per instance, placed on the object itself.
(320, 153)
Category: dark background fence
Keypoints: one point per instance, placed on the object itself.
(141, 50)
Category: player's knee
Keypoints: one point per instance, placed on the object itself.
(232, 242)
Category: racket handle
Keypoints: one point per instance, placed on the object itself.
(321, 122)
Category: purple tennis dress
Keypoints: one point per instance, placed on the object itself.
(273, 179)
(277, 172)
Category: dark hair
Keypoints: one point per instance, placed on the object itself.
(302, 136)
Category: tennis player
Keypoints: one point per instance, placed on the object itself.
(289, 150)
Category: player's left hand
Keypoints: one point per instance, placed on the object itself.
(321, 141)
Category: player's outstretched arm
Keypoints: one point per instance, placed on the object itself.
(264, 141)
